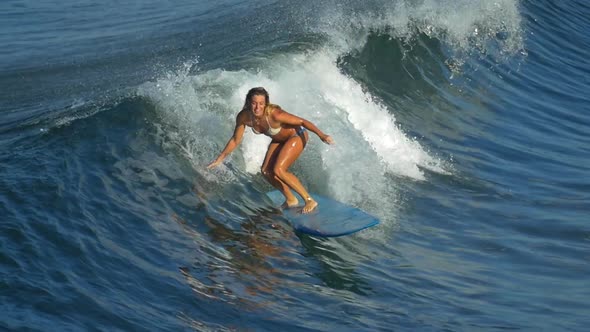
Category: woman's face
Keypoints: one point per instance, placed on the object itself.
(258, 104)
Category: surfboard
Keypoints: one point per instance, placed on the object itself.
(330, 219)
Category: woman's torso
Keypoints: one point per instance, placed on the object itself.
(278, 132)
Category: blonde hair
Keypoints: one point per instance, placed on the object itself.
(269, 108)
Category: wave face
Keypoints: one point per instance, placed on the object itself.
(459, 124)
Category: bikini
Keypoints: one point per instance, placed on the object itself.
(273, 131)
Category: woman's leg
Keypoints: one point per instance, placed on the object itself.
(289, 152)
(268, 173)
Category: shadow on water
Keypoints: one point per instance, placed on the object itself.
(250, 256)
(393, 67)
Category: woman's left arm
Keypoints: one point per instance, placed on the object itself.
(282, 116)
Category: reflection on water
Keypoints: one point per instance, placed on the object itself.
(249, 257)
(240, 266)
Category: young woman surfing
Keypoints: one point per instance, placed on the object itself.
(289, 137)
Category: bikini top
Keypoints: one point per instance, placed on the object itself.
(270, 131)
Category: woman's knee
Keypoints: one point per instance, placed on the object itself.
(266, 172)
(279, 172)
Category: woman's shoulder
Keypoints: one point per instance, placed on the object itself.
(274, 109)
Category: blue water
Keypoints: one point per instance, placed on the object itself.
(463, 125)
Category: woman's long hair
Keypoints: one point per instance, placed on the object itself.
(258, 91)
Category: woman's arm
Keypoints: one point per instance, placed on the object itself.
(233, 142)
(284, 117)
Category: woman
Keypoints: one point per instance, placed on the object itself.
(289, 137)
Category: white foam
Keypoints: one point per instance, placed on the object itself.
(466, 26)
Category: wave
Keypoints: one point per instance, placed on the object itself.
(199, 111)
(196, 107)
(319, 90)
(465, 27)
(320, 84)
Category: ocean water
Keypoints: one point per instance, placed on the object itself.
(463, 125)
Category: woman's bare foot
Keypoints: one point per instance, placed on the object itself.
(290, 203)
(310, 205)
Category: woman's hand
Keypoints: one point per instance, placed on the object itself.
(327, 139)
(214, 164)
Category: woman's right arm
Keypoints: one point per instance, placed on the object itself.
(233, 142)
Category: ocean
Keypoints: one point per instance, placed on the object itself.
(462, 125)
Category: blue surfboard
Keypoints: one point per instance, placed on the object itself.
(330, 219)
